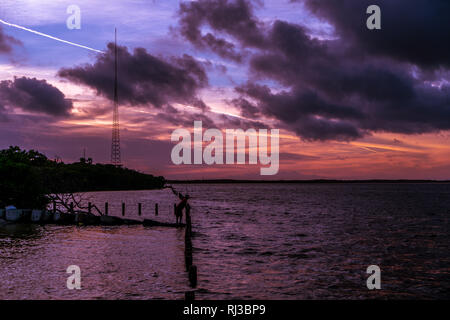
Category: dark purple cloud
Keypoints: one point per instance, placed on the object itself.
(303, 112)
(338, 89)
(31, 94)
(182, 118)
(143, 78)
(413, 31)
(7, 42)
(231, 17)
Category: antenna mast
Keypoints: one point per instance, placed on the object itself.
(115, 146)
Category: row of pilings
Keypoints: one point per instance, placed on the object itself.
(74, 216)
(191, 269)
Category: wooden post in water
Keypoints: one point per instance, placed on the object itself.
(156, 209)
(188, 220)
(190, 268)
(71, 207)
(106, 208)
(139, 209)
(188, 257)
(187, 249)
(123, 209)
(193, 276)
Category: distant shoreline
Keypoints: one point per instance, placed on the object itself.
(316, 181)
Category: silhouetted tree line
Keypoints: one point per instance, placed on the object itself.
(27, 177)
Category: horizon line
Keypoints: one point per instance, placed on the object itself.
(307, 181)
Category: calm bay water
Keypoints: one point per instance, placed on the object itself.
(252, 241)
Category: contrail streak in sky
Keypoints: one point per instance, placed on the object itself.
(49, 36)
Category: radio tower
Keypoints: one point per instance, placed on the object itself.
(115, 145)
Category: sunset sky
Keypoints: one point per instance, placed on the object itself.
(350, 103)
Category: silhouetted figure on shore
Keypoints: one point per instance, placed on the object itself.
(180, 206)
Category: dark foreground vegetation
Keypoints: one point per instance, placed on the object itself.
(28, 177)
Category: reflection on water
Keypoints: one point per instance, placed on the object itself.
(315, 241)
(19, 231)
(251, 241)
(127, 262)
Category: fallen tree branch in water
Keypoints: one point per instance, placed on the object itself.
(71, 203)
